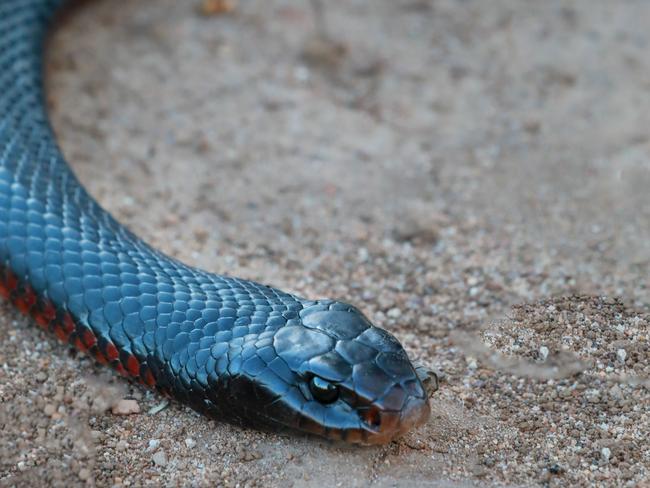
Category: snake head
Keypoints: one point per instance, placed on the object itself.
(344, 378)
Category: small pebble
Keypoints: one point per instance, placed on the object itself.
(160, 458)
(84, 474)
(190, 443)
(158, 408)
(605, 453)
(394, 313)
(621, 354)
(126, 407)
(616, 392)
(216, 7)
(543, 353)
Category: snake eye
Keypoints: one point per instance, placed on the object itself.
(323, 391)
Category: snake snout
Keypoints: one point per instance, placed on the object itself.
(415, 413)
(383, 426)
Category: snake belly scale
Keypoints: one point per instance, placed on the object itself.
(234, 349)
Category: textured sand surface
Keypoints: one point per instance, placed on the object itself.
(474, 175)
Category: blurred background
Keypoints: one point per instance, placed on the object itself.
(436, 162)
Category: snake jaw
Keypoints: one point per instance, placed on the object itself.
(381, 428)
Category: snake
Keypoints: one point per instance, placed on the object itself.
(234, 349)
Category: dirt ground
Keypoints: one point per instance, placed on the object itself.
(474, 175)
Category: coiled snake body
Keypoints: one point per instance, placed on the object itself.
(234, 349)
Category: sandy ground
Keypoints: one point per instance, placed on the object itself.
(474, 175)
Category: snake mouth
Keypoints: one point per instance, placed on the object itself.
(376, 427)
(387, 426)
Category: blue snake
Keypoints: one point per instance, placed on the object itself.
(237, 350)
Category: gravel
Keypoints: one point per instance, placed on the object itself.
(472, 174)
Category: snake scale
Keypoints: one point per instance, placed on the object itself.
(234, 349)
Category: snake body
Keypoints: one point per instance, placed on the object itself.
(231, 348)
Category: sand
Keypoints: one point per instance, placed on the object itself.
(473, 175)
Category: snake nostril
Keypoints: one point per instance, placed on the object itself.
(372, 417)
